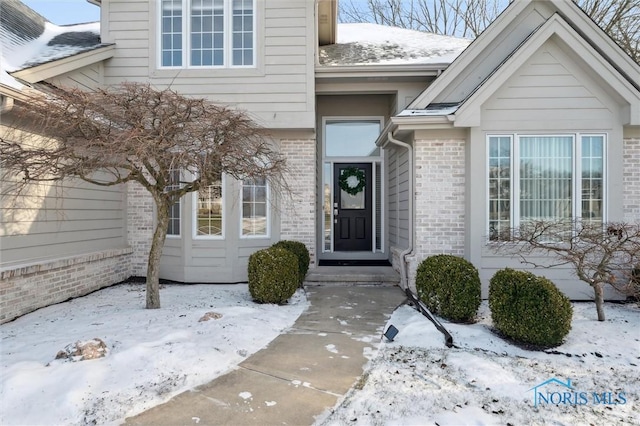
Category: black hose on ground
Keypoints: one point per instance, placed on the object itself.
(421, 307)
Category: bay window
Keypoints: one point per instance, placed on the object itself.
(207, 33)
(544, 177)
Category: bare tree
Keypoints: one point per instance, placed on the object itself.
(599, 254)
(135, 133)
(468, 18)
(461, 18)
(618, 18)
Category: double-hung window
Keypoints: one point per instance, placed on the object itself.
(207, 33)
(544, 177)
(255, 209)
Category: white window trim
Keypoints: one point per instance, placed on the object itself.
(515, 174)
(268, 215)
(194, 216)
(186, 36)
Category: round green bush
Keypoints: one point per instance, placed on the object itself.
(529, 309)
(449, 286)
(301, 252)
(273, 275)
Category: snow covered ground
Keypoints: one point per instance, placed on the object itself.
(152, 354)
(415, 380)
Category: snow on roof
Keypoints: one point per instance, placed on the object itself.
(372, 44)
(28, 40)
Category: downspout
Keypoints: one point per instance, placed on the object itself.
(404, 270)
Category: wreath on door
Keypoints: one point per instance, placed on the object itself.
(352, 180)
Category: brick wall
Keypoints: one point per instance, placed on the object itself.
(440, 200)
(140, 225)
(25, 288)
(631, 180)
(299, 208)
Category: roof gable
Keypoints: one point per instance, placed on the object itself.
(29, 42)
(560, 33)
(519, 25)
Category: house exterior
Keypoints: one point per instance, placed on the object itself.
(400, 145)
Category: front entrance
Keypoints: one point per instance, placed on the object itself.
(351, 218)
(352, 214)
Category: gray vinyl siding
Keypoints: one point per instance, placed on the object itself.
(549, 92)
(86, 78)
(61, 221)
(278, 92)
(398, 197)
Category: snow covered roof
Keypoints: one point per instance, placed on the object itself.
(372, 44)
(27, 40)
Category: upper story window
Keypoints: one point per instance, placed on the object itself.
(207, 33)
(544, 178)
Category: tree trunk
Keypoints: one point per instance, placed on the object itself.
(155, 254)
(599, 299)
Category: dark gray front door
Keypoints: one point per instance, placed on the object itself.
(352, 212)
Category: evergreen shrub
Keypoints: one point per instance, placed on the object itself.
(529, 309)
(273, 275)
(449, 286)
(301, 252)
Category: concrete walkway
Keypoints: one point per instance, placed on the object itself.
(299, 375)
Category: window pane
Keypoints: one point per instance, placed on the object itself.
(208, 27)
(254, 207)
(499, 187)
(352, 138)
(248, 57)
(242, 29)
(546, 178)
(209, 214)
(592, 178)
(171, 33)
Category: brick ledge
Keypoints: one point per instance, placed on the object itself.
(12, 271)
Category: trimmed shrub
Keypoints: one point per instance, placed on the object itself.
(273, 275)
(301, 252)
(449, 286)
(529, 309)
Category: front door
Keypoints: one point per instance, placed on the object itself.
(352, 218)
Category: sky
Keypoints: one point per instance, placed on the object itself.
(65, 12)
(483, 380)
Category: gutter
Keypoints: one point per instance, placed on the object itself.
(387, 71)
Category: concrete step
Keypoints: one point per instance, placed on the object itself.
(352, 275)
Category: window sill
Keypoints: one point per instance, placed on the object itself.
(206, 72)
